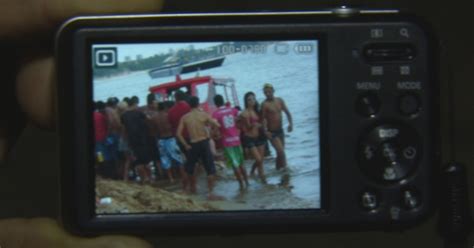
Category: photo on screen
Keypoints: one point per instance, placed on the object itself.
(206, 126)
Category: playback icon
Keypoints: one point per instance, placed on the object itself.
(105, 57)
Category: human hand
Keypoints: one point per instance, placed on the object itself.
(187, 147)
(46, 233)
(24, 23)
(290, 128)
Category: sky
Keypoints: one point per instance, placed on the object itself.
(150, 49)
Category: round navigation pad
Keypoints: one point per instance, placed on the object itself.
(389, 153)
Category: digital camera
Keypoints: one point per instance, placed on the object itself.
(244, 122)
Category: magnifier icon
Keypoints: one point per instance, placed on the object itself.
(404, 32)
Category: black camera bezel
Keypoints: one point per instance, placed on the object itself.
(76, 36)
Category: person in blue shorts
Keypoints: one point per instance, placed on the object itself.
(169, 149)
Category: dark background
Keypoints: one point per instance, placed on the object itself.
(29, 181)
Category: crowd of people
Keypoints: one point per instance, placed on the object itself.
(170, 139)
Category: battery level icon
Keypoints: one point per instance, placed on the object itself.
(303, 48)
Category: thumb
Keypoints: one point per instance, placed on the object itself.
(35, 89)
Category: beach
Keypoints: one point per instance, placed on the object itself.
(163, 196)
(295, 78)
(129, 197)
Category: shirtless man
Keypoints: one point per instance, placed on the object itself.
(115, 129)
(167, 145)
(272, 121)
(195, 122)
(150, 110)
(125, 154)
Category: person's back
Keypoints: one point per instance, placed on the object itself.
(227, 118)
(195, 123)
(161, 121)
(113, 119)
(100, 122)
(178, 110)
(100, 126)
(138, 136)
(135, 125)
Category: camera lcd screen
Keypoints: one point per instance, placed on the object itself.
(206, 126)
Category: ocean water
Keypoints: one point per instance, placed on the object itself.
(295, 79)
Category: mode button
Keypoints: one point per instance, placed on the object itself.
(409, 104)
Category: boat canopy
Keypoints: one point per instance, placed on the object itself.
(223, 86)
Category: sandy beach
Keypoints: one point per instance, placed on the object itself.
(164, 196)
(130, 197)
(298, 188)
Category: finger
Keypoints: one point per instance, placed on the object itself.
(107, 241)
(20, 232)
(42, 233)
(35, 84)
(28, 16)
(3, 145)
(3, 141)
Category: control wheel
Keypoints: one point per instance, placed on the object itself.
(389, 153)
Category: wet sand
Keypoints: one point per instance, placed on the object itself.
(164, 196)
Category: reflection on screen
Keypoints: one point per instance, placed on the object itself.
(206, 126)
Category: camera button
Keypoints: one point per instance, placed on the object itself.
(409, 104)
(368, 104)
(410, 199)
(369, 200)
(369, 152)
(395, 213)
(409, 152)
(390, 174)
(405, 70)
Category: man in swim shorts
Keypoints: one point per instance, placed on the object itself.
(169, 150)
(271, 113)
(195, 123)
(114, 129)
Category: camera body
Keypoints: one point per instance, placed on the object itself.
(376, 105)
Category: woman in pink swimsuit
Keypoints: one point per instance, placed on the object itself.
(251, 129)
